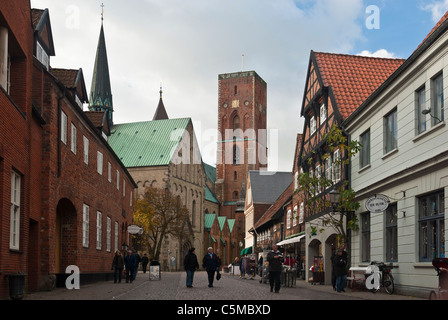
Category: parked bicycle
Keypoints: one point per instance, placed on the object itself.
(379, 275)
(441, 266)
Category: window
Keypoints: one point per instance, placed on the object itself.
(302, 213)
(42, 56)
(420, 106)
(5, 65)
(437, 96)
(108, 234)
(236, 123)
(99, 159)
(364, 157)
(116, 236)
(328, 168)
(73, 139)
(236, 155)
(14, 238)
(85, 225)
(337, 166)
(365, 236)
(294, 217)
(390, 131)
(318, 174)
(86, 150)
(313, 125)
(99, 230)
(288, 219)
(431, 222)
(118, 180)
(63, 127)
(323, 113)
(109, 172)
(235, 176)
(124, 187)
(391, 233)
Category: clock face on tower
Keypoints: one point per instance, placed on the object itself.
(235, 103)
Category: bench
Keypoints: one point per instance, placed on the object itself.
(356, 278)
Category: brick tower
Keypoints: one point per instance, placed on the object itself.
(242, 127)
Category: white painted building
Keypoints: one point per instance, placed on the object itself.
(405, 157)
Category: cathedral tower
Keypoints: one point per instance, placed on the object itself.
(101, 93)
(242, 127)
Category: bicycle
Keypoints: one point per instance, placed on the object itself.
(441, 266)
(380, 276)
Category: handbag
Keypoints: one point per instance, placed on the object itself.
(218, 276)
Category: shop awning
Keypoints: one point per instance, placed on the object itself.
(292, 240)
(246, 251)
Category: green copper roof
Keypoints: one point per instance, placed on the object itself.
(149, 143)
(231, 223)
(221, 222)
(209, 219)
(209, 196)
(210, 171)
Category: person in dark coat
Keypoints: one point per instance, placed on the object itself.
(130, 262)
(117, 266)
(275, 259)
(211, 263)
(340, 269)
(190, 265)
(145, 262)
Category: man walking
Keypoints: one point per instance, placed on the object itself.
(130, 262)
(275, 259)
(190, 265)
(211, 263)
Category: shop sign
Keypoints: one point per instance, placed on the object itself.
(377, 203)
(133, 229)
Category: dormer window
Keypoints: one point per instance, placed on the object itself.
(42, 56)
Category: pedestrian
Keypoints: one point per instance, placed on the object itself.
(340, 267)
(275, 259)
(190, 265)
(333, 271)
(145, 262)
(211, 263)
(117, 266)
(130, 262)
(138, 259)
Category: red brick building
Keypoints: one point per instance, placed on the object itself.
(242, 125)
(66, 197)
(16, 120)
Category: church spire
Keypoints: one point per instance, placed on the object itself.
(101, 93)
(160, 112)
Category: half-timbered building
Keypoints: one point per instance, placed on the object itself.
(336, 85)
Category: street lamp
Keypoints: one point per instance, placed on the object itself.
(334, 199)
(428, 111)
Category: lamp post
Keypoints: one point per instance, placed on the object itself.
(334, 199)
(428, 111)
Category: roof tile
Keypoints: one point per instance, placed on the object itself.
(354, 78)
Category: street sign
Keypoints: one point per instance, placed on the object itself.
(133, 229)
(377, 203)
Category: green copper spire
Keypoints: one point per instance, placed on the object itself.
(101, 93)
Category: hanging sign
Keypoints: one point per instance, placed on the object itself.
(133, 229)
(377, 203)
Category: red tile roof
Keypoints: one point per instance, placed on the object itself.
(441, 21)
(67, 76)
(354, 78)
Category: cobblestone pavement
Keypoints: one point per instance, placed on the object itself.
(172, 287)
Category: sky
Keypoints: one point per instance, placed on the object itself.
(185, 44)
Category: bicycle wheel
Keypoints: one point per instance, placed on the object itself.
(388, 283)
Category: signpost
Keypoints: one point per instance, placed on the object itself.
(377, 203)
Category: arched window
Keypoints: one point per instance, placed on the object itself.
(236, 155)
(236, 123)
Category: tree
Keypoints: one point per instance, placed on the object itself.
(317, 187)
(159, 213)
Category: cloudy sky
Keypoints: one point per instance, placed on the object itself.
(186, 44)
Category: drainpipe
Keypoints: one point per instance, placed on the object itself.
(59, 135)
